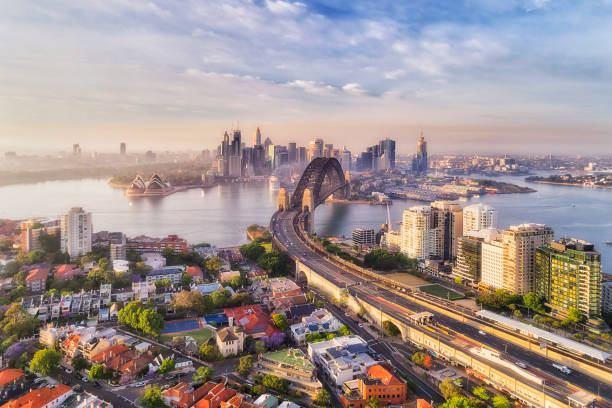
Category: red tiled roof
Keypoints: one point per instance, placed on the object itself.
(252, 319)
(66, 271)
(9, 375)
(109, 353)
(215, 396)
(38, 274)
(380, 372)
(38, 398)
(194, 271)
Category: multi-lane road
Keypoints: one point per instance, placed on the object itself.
(392, 304)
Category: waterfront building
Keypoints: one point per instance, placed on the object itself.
(364, 236)
(143, 244)
(341, 359)
(568, 275)
(419, 162)
(606, 297)
(33, 229)
(477, 217)
(469, 254)
(293, 366)
(448, 220)
(364, 161)
(419, 239)
(520, 243)
(492, 267)
(235, 166)
(380, 382)
(315, 149)
(76, 229)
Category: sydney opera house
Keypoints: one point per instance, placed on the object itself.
(157, 185)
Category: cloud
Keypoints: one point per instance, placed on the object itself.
(285, 7)
(312, 87)
(354, 88)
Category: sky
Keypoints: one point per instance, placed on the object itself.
(472, 75)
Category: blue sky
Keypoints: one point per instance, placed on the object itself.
(474, 75)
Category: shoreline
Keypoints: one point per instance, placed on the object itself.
(556, 183)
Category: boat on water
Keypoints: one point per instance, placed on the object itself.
(609, 243)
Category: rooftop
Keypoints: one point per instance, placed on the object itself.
(9, 375)
(294, 357)
(38, 398)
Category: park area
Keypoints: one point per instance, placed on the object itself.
(186, 327)
(440, 291)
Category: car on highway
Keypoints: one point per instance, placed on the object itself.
(562, 368)
(361, 325)
(520, 364)
(482, 333)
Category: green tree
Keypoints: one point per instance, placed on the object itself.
(344, 331)
(79, 363)
(533, 301)
(319, 304)
(208, 352)
(501, 402)
(449, 389)
(219, 298)
(45, 361)
(97, 372)
(275, 383)
(151, 322)
(574, 316)
(252, 251)
(152, 398)
(245, 364)
(259, 346)
(166, 366)
(462, 402)
(276, 263)
(391, 329)
(481, 393)
(49, 243)
(186, 279)
(17, 322)
(418, 358)
(203, 374)
(192, 302)
(459, 280)
(323, 399)
(213, 265)
(280, 321)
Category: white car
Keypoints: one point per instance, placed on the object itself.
(482, 333)
(69, 371)
(85, 379)
(361, 325)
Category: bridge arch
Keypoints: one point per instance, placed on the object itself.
(323, 177)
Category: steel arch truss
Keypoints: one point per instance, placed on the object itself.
(324, 177)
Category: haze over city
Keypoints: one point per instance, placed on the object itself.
(485, 76)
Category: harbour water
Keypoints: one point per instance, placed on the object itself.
(220, 215)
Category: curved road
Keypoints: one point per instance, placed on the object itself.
(282, 229)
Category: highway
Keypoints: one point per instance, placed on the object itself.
(282, 229)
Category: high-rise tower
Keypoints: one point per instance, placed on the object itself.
(419, 163)
(257, 137)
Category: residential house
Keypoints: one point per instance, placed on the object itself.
(266, 401)
(172, 273)
(36, 281)
(215, 395)
(195, 272)
(86, 400)
(183, 395)
(11, 377)
(253, 321)
(230, 340)
(108, 354)
(238, 401)
(377, 382)
(66, 272)
(320, 321)
(292, 365)
(47, 397)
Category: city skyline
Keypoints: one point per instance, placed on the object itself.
(465, 74)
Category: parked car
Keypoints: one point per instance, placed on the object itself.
(85, 379)
(77, 388)
(69, 371)
(521, 364)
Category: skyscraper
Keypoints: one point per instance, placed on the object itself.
(292, 152)
(386, 148)
(328, 150)
(236, 148)
(315, 149)
(76, 149)
(302, 155)
(447, 218)
(520, 243)
(345, 159)
(568, 274)
(470, 257)
(419, 240)
(419, 163)
(122, 148)
(75, 230)
(257, 137)
(477, 217)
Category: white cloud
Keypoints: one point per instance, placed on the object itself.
(354, 88)
(395, 74)
(285, 7)
(312, 87)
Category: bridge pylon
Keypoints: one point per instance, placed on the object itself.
(308, 206)
(282, 202)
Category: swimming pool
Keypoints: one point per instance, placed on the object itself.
(178, 326)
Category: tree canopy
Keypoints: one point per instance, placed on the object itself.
(46, 361)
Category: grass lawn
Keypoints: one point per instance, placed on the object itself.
(200, 336)
(441, 292)
(407, 279)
